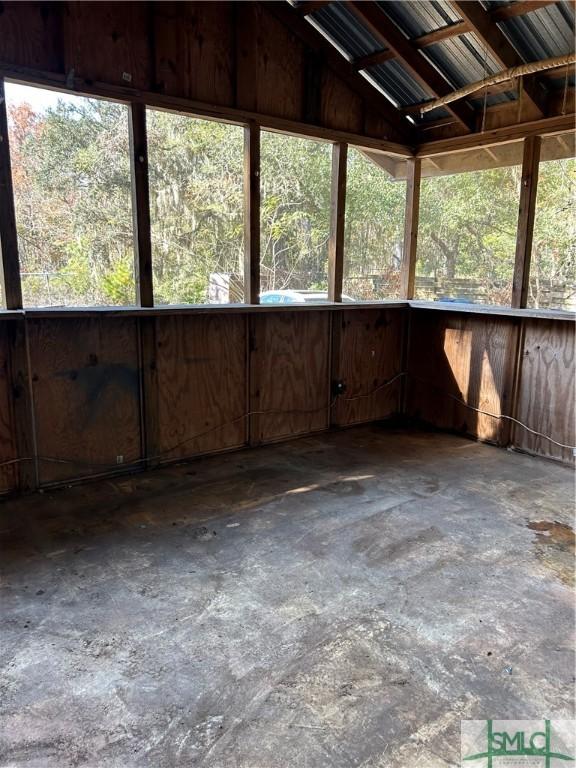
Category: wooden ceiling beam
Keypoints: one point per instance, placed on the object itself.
(420, 68)
(310, 36)
(444, 33)
(508, 133)
(520, 8)
(497, 44)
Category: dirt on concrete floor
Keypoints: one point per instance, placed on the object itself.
(340, 600)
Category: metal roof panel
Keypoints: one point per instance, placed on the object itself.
(350, 34)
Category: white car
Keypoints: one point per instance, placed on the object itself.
(297, 297)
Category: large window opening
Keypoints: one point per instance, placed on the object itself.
(196, 209)
(72, 194)
(295, 218)
(374, 226)
(553, 266)
(467, 229)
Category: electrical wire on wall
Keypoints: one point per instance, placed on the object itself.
(166, 453)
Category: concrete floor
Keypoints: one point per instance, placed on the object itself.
(341, 600)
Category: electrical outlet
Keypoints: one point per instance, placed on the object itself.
(119, 459)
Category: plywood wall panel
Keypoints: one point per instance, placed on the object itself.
(31, 35)
(289, 374)
(108, 42)
(194, 50)
(547, 389)
(8, 451)
(463, 357)
(202, 384)
(270, 64)
(86, 389)
(340, 108)
(368, 354)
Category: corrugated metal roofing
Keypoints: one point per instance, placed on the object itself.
(417, 18)
(343, 27)
(393, 78)
(539, 34)
(542, 33)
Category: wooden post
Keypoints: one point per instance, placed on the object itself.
(530, 161)
(337, 214)
(408, 269)
(141, 205)
(10, 266)
(252, 214)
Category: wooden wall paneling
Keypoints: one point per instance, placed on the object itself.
(289, 374)
(8, 448)
(369, 355)
(149, 394)
(340, 107)
(86, 389)
(31, 35)
(109, 42)
(270, 64)
(547, 389)
(21, 397)
(201, 381)
(194, 50)
(466, 357)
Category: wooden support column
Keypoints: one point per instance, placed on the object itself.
(252, 214)
(141, 205)
(337, 214)
(411, 216)
(10, 266)
(528, 189)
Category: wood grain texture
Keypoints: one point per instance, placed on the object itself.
(547, 389)
(8, 451)
(468, 358)
(86, 389)
(194, 50)
(289, 374)
(202, 382)
(31, 35)
(340, 107)
(106, 41)
(270, 64)
(369, 355)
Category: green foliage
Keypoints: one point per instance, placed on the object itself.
(71, 174)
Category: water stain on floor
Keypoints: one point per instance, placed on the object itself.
(556, 544)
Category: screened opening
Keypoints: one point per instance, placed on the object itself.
(295, 219)
(72, 194)
(196, 209)
(553, 267)
(374, 226)
(467, 231)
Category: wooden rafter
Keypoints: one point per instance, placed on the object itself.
(384, 29)
(444, 33)
(519, 8)
(343, 68)
(497, 44)
(542, 127)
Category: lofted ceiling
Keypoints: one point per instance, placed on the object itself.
(410, 52)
